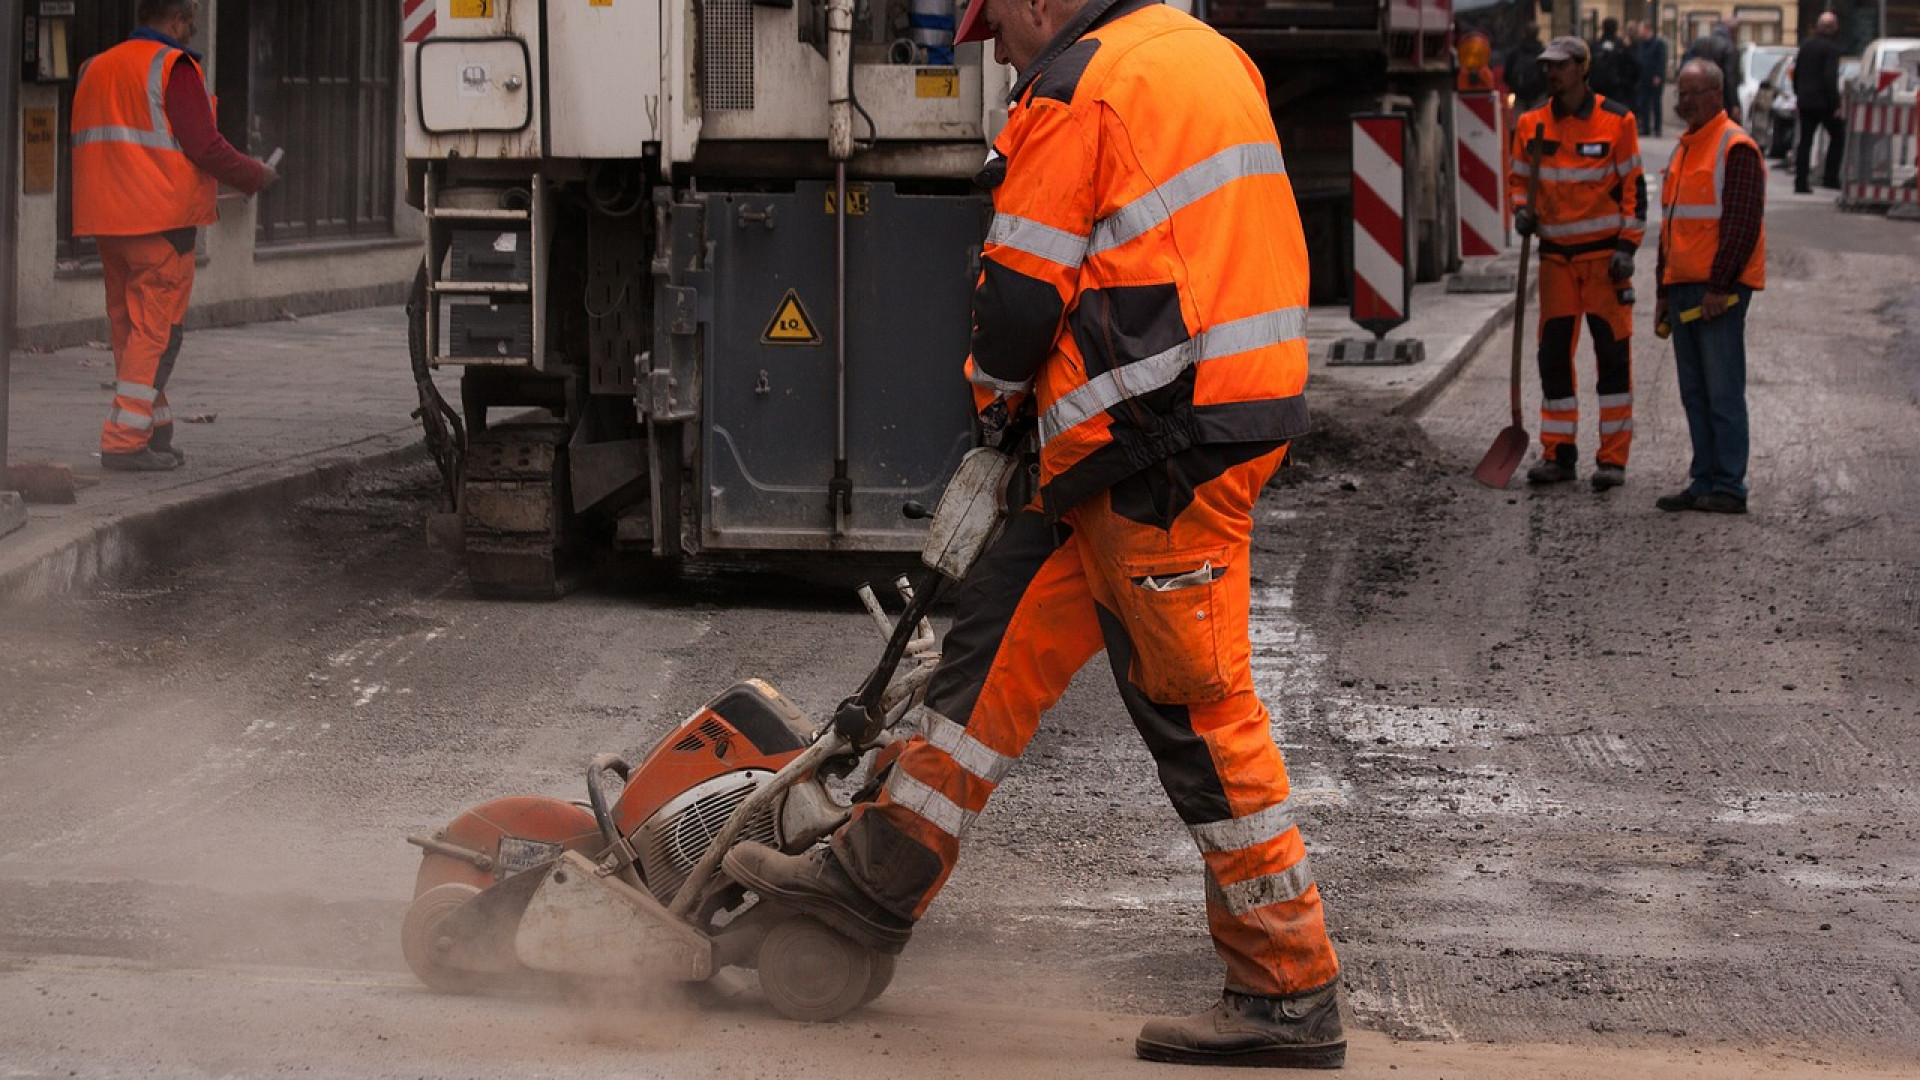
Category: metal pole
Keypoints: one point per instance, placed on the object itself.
(10, 19)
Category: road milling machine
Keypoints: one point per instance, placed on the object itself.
(703, 267)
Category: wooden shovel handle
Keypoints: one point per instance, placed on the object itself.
(1526, 250)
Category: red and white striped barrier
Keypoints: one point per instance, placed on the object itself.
(1479, 177)
(1382, 281)
(1382, 275)
(416, 20)
(1882, 139)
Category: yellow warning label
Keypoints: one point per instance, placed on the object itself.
(856, 200)
(790, 324)
(936, 82)
(599, 3)
(471, 9)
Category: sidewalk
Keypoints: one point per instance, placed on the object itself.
(275, 412)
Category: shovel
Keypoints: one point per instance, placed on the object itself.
(1510, 445)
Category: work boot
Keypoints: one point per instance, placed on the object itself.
(169, 450)
(1720, 502)
(1552, 470)
(1609, 476)
(142, 460)
(1301, 1032)
(1676, 502)
(816, 884)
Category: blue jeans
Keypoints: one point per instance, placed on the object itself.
(1710, 358)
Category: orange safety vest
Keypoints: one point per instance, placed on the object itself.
(1690, 202)
(1145, 275)
(1592, 199)
(130, 177)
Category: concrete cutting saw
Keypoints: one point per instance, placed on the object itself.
(628, 885)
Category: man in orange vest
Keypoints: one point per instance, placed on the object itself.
(1144, 294)
(1713, 258)
(146, 156)
(1590, 214)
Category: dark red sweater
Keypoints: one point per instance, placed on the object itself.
(191, 115)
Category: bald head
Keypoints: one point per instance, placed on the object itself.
(1828, 23)
(1706, 73)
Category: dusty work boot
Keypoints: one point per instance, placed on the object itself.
(1552, 470)
(815, 884)
(1609, 476)
(1676, 502)
(142, 460)
(165, 447)
(1300, 1032)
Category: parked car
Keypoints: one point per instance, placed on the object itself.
(1756, 62)
(1888, 67)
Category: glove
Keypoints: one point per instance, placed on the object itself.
(1524, 221)
(1620, 267)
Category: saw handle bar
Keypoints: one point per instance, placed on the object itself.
(619, 849)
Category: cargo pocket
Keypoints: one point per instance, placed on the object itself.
(1172, 606)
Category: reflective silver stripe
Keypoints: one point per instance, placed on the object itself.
(1561, 404)
(1236, 834)
(1188, 186)
(1522, 167)
(1614, 401)
(1001, 386)
(134, 420)
(1560, 427)
(1627, 167)
(136, 391)
(1572, 228)
(1143, 376)
(1615, 427)
(157, 140)
(1042, 241)
(162, 415)
(966, 751)
(1597, 172)
(943, 813)
(159, 136)
(1244, 896)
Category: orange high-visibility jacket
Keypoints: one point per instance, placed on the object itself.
(1690, 203)
(130, 177)
(1145, 276)
(1593, 192)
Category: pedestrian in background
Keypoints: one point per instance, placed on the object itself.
(1816, 91)
(1713, 257)
(1650, 104)
(1520, 70)
(1720, 49)
(1615, 71)
(1590, 214)
(146, 160)
(1144, 288)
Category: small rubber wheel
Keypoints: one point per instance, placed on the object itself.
(811, 973)
(426, 947)
(882, 976)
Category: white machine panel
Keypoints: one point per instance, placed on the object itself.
(471, 80)
(606, 97)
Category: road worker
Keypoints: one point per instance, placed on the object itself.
(1712, 259)
(146, 157)
(1590, 215)
(1144, 291)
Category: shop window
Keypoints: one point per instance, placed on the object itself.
(323, 87)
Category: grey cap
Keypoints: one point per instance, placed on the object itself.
(1565, 48)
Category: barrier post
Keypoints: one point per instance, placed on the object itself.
(1878, 168)
(1480, 193)
(1382, 244)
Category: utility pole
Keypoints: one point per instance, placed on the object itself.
(12, 514)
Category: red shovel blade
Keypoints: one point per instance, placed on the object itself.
(1503, 457)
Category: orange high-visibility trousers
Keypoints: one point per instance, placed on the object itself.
(1568, 290)
(149, 281)
(1155, 570)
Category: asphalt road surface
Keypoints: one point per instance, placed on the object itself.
(1591, 790)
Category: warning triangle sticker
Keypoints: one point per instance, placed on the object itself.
(790, 325)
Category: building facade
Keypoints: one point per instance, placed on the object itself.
(321, 82)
